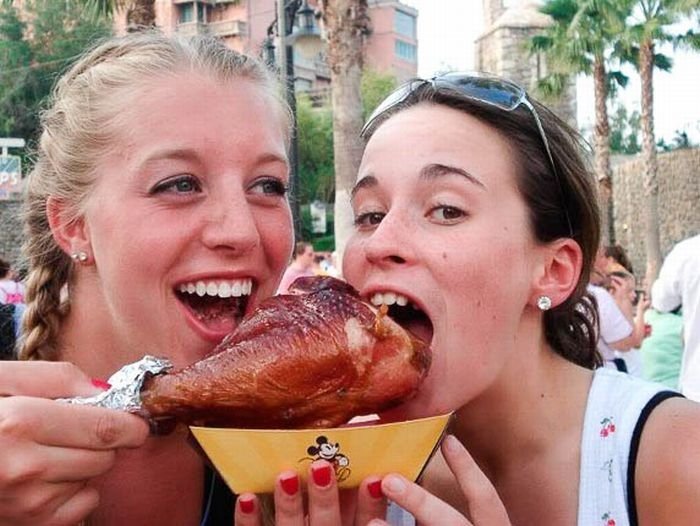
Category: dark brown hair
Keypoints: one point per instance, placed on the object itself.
(618, 254)
(570, 328)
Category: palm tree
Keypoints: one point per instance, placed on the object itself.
(140, 14)
(581, 40)
(346, 23)
(650, 26)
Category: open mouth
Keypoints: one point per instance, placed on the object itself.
(406, 313)
(218, 305)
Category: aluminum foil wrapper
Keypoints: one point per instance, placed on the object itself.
(125, 393)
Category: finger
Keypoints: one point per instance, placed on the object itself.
(484, 504)
(37, 504)
(289, 505)
(247, 512)
(44, 379)
(424, 506)
(77, 508)
(53, 464)
(371, 503)
(324, 504)
(58, 424)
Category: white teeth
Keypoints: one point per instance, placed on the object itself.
(236, 289)
(388, 298)
(224, 289)
(218, 288)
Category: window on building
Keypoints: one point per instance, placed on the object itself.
(186, 13)
(405, 51)
(192, 12)
(405, 24)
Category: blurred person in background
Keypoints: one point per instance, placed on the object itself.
(301, 265)
(678, 285)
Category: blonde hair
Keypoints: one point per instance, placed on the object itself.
(79, 127)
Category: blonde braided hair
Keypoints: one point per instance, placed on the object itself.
(78, 128)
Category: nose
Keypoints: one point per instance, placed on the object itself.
(390, 243)
(230, 224)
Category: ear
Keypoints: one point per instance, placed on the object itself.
(70, 233)
(560, 269)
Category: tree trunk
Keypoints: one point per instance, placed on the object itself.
(346, 23)
(141, 15)
(602, 151)
(650, 168)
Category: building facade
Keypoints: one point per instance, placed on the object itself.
(244, 25)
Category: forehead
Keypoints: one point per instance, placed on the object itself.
(434, 134)
(229, 120)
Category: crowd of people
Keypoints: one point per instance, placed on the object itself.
(488, 226)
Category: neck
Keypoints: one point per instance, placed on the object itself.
(535, 405)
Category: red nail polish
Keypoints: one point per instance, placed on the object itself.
(375, 489)
(247, 505)
(321, 475)
(100, 384)
(290, 484)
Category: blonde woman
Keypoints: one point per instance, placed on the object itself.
(161, 168)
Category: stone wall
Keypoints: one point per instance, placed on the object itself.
(10, 231)
(502, 50)
(679, 202)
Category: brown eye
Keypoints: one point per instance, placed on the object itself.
(447, 214)
(369, 219)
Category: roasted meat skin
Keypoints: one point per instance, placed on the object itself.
(313, 358)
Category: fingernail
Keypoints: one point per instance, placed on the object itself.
(451, 443)
(375, 489)
(290, 484)
(246, 504)
(394, 484)
(321, 475)
(100, 384)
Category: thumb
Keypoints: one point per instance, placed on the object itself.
(484, 504)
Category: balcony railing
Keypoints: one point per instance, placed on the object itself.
(192, 28)
(224, 28)
(228, 28)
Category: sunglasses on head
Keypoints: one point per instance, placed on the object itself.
(492, 91)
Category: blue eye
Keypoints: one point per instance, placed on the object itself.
(181, 184)
(270, 186)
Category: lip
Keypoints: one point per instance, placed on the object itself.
(193, 322)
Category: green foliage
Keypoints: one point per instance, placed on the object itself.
(315, 146)
(321, 242)
(34, 49)
(375, 87)
(625, 129)
(680, 141)
(315, 143)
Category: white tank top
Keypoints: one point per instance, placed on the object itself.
(617, 409)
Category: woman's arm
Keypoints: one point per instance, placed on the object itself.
(668, 465)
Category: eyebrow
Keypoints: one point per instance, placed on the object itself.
(188, 154)
(429, 172)
(436, 170)
(368, 181)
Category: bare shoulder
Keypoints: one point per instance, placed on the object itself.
(668, 464)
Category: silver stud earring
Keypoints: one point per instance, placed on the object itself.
(80, 256)
(544, 303)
